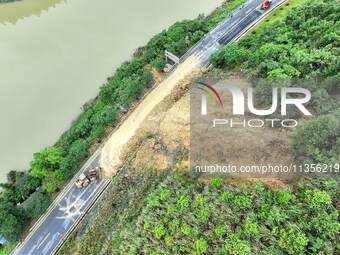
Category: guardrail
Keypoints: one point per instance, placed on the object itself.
(266, 14)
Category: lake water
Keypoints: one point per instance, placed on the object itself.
(55, 54)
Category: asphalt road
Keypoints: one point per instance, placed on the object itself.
(60, 221)
(71, 205)
(229, 29)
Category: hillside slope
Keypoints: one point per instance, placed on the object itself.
(156, 206)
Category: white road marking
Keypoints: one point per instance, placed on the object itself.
(31, 250)
(43, 240)
(73, 209)
(68, 199)
(93, 192)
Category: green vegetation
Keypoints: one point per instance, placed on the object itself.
(37, 204)
(5, 249)
(319, 139)
(278, 15)
(53, 166)
(302, 45)
(12, 220)
(198, 218)
(170, 213)
(118, 210)
(180, 215)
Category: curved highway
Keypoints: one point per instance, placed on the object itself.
(48, 234)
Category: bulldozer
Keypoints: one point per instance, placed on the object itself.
(93, 174)
(87, 177)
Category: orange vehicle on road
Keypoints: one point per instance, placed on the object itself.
(266, 4)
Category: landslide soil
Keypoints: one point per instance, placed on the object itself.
(165, 135)
(160, 126)
(122, 140)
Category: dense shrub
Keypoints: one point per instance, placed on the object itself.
(186, 217)
(37, 204)
(25, 184)
(230, 56)
(12, 220)
(319, 140)
(304, 44)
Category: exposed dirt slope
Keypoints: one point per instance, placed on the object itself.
(166, 133)
(113, 151)
(159, 127)
(242, 146)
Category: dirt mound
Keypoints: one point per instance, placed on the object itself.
(164, 136)
(121, 141)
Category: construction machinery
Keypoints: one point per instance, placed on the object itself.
(266, 4)
(87, 177)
